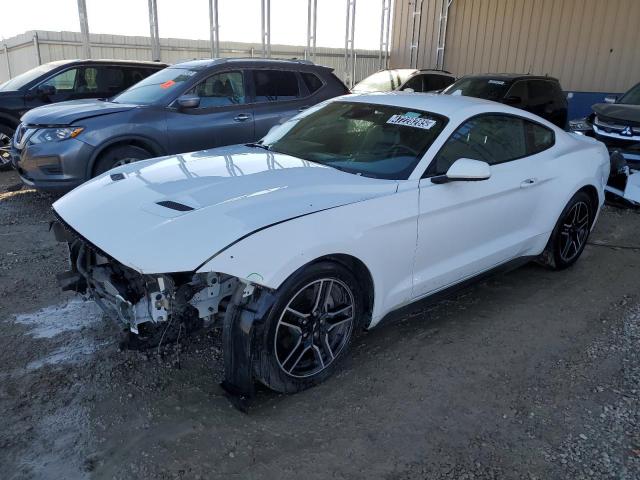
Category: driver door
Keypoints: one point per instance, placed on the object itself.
(468, 227)
(222, 118)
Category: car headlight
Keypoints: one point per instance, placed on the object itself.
(55, 134)
(580, 125)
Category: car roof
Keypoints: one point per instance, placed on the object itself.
(206, 63)
(108, 61)
(512, 76)
(455, 107)
(436, 71)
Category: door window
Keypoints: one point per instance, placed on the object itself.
(491, 138)
(276, 85)
(518, 89)
(77, 80)
(414, 83)
(110, 80)
(540, 92)
(220, 90)
(63, 82)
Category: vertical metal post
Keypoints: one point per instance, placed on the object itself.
(266, 28)
(153, 28)
(312, 15)
(442, 33)
(6, 57)
(36, 46)
(415, 33)
(213, 28)
(349, 60)
(385, 23)
(84, 28)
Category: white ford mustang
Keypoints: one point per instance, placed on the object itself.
(338, 217)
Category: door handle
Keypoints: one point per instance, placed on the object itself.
(242, 117)
(529, 182)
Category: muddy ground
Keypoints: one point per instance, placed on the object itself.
(533, 374)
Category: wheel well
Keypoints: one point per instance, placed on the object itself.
(134, 142)
(6, 123)
(592, 192)
(362, 274)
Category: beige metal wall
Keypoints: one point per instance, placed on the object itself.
(590, 45)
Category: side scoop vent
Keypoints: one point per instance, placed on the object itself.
(180, 207)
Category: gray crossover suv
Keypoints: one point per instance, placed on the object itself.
(187, 107)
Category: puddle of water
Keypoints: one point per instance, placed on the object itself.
(53, 320)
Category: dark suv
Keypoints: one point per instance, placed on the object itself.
(540, 95)
(64, 80)
(186, 107)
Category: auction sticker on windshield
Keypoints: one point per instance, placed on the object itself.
(409, 120)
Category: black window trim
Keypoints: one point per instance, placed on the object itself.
(427, 174)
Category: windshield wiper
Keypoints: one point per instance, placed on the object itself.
(258, 145)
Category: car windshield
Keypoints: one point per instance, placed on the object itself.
(378, 141)
(155, 87)
(480, 87)
(383, 81)
(632, 97)
(16, 83)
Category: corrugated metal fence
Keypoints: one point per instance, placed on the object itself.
(23, 52)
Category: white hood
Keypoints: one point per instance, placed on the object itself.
(231, 192)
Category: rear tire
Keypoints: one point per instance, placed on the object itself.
(119, 155)
(570, 235)
(309, 328)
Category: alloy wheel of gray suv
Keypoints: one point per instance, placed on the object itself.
(119, 155)
(5, 150)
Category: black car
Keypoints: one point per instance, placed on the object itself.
(186, 107)
(616, 123)
(64, 80)
(540, 95)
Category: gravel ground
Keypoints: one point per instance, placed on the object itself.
(531, 375)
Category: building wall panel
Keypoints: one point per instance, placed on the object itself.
(590, 45)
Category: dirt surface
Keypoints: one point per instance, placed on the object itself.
(534, 374)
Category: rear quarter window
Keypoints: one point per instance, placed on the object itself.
(539, 138)
(311, 81)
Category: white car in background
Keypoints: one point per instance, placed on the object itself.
(337, 218)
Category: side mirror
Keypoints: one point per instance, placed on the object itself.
(512, 100)
(186, 102)
(610, 99)
(46, 91)
(465, 170)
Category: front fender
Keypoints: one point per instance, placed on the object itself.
(380, 232)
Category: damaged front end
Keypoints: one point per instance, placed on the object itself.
(141, 302)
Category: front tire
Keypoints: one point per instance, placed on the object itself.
(570, 235)
(119, 155)
(309, 328)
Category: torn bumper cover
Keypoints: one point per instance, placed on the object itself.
(624, 180)
(155, 307)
